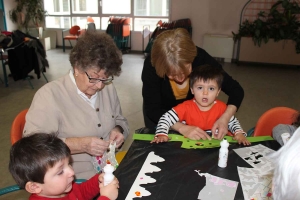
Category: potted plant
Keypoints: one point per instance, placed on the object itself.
(277, 25)
(272, 38)
(28, 13)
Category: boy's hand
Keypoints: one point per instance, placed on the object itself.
(241, 139)
(111, 190)
(101, 177)
(194, 133)
(160, 138)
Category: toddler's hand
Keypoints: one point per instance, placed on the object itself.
(101, 178)
(160, 138)
(241, 139)
(111, 190)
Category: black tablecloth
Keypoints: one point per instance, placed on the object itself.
(177, 178)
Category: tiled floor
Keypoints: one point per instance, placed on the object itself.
(265, 87)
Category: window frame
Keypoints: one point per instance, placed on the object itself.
(101, 15)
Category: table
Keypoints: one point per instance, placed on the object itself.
(177, 179)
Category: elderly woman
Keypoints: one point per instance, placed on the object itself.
(82, 107)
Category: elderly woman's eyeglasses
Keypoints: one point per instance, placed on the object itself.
(97, 80)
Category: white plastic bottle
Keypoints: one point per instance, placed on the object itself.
(285, 137)
(108, 174)
(223, 154)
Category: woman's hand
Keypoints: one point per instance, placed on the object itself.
(117, 136)
(91, 145)
(95, 146)
(220, 127)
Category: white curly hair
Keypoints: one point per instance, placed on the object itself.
(286, 179)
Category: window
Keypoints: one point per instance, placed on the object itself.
(85, 6)
(57, 7)
(109, 6)
(151, 8)
(67, 13)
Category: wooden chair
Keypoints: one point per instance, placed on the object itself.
(273, 117)
(74, 32)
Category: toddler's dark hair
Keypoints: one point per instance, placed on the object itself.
(206, 73)
(32, 156)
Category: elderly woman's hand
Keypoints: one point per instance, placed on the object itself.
(117, 136)
(95, 146)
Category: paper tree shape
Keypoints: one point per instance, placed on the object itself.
(136, 190)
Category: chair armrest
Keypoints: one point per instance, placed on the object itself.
(80, 180)
(9, 189)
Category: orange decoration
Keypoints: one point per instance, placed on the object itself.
(137, 193)
(107, 162)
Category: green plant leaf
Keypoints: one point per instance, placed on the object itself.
(33, 11)
(281, 23)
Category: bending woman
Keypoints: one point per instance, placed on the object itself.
(166, 83)
(83, 107)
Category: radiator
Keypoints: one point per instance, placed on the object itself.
(219, 46)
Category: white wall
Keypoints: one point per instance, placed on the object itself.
(207, 16)
(8, 5)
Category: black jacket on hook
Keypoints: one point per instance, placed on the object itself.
(25, 56)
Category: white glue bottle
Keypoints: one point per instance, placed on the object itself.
(108, 174)
(285, 137)
(223, 154)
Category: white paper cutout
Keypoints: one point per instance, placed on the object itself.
(254, 184)
(264, 191)
(138, 191)
(256, 156)
(217, 188)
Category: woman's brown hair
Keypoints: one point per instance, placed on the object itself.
(172, 50)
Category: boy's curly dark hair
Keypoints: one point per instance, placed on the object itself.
(97, 51)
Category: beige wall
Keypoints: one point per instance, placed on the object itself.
(207, 16)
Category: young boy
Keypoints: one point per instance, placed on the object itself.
(40, 163)
(203, 110)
